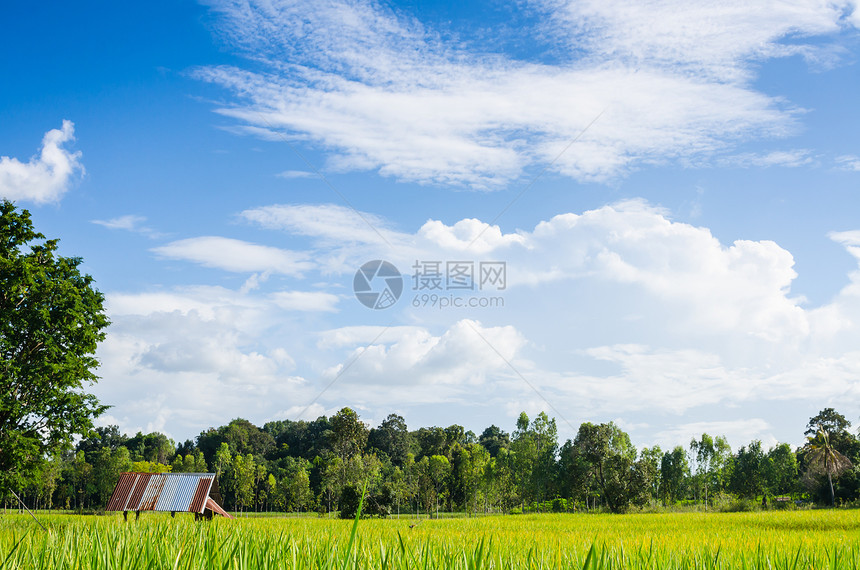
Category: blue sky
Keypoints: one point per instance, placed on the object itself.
(672, 187)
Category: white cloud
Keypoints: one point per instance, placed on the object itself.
(46, 177)
(743, 286)
(131, 223)
(465, 354)
(295, 174)
(306, 301)
(703, 38)
(381, 92)
(236, 255)
(614, 311)
(848, 162)
(737, 432)
(307, 413)
(850, 239)
(854, 16)
(784, 158)
(365, 335)
(194, 356)
(326, 221)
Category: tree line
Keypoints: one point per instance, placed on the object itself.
(323, 465)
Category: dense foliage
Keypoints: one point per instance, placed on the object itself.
(320, 465)
(51, 320)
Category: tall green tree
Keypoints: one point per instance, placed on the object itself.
(823, 458)
(835, 425)
(349, 433)
(154, 447)
(470, 465)
(51, 321)
(391, 438)
(241, 435)
(535, 447)
(651, 459)
(711, 455)
(107, 466)
(494, 439)
(612, 465)
(781, 469)
(431, 441)
(674, 472)
(749, 476)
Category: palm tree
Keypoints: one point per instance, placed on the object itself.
(824, 459)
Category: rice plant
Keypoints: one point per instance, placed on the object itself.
(778, 540)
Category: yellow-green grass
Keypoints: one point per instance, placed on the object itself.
(791, 539)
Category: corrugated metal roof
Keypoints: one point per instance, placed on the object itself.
(179, 492)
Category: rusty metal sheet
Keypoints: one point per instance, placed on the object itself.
(122, 492)
(139, 489)
(215, 507)
(201, 493)
(153, 491)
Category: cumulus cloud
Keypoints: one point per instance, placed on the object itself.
(742, 286)
(616, 310)
(465, 354)
(47, 176)
(193, 356)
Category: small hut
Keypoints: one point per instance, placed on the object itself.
(172, 492)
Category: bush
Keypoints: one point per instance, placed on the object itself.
(515, 511)
(783, 506)
(379, 504)
(375, 504)
(739, 506)
(349, 500)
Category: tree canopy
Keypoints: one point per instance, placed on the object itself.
(51, 321)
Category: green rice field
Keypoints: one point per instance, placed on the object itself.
(790, 539)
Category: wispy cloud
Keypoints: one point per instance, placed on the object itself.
(780, 158)
(381, 92)
(306, 301)
(738, 432)
(709, 40)
(46, 177)
(236, 255)
(327, 222)
(296, 174)
(131, 223)
(848, 162)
